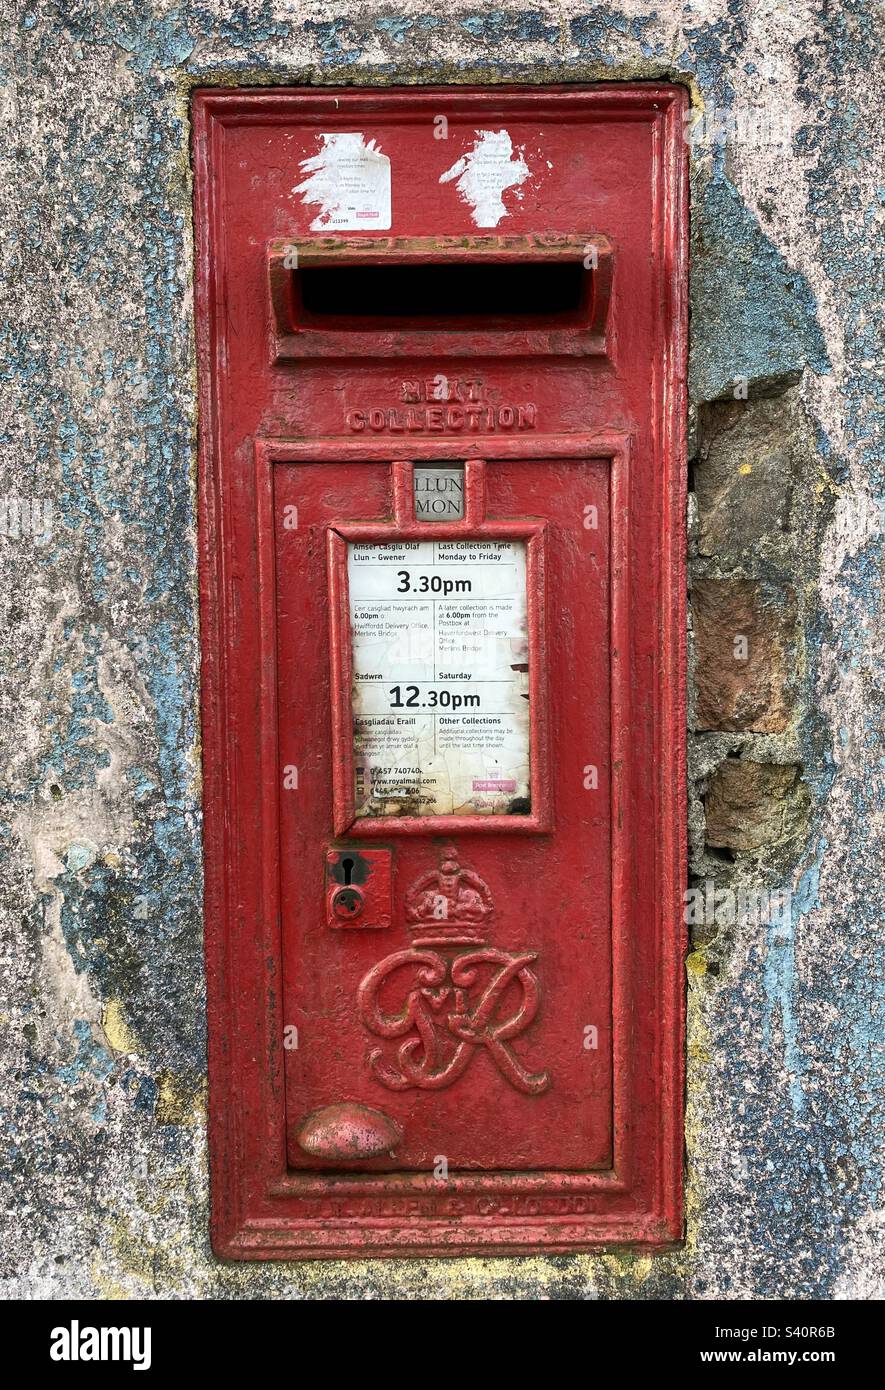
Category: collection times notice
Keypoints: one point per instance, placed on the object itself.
(440, 678)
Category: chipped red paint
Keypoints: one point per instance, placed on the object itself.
(465, 1041)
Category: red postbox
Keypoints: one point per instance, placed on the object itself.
(441, 346)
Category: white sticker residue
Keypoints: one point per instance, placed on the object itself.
(440, 678)
(349, 181)
(484, 173)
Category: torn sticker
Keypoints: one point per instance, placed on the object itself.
(484, 173)
(349, 181)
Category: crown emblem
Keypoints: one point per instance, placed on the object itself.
(448, 905)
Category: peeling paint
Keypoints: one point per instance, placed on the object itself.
(484, 174)
(349, 181)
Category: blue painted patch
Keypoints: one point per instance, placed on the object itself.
(396, 29)
(754, 316)
(498, 27)
(90, 1059)
(327, 33)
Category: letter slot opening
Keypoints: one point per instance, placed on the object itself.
(458, 296)
(488, 295)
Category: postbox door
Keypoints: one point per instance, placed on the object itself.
(477, 1019)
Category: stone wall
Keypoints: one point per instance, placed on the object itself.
(102, 1003)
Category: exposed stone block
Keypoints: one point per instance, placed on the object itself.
(744, 477)
(747, 804)
(742, 648)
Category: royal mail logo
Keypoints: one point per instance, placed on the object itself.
(444, 1006)
(76, 1343)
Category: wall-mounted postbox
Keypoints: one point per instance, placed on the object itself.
(441, 345)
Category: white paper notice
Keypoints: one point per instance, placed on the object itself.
(440, 678)
(349, 180)
(484, 174)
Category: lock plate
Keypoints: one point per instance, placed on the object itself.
(359, 891)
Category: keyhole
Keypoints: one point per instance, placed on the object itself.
(347, 866)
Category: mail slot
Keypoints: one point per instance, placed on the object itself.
(441, 342)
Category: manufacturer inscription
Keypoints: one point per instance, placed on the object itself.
(433, 1205)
